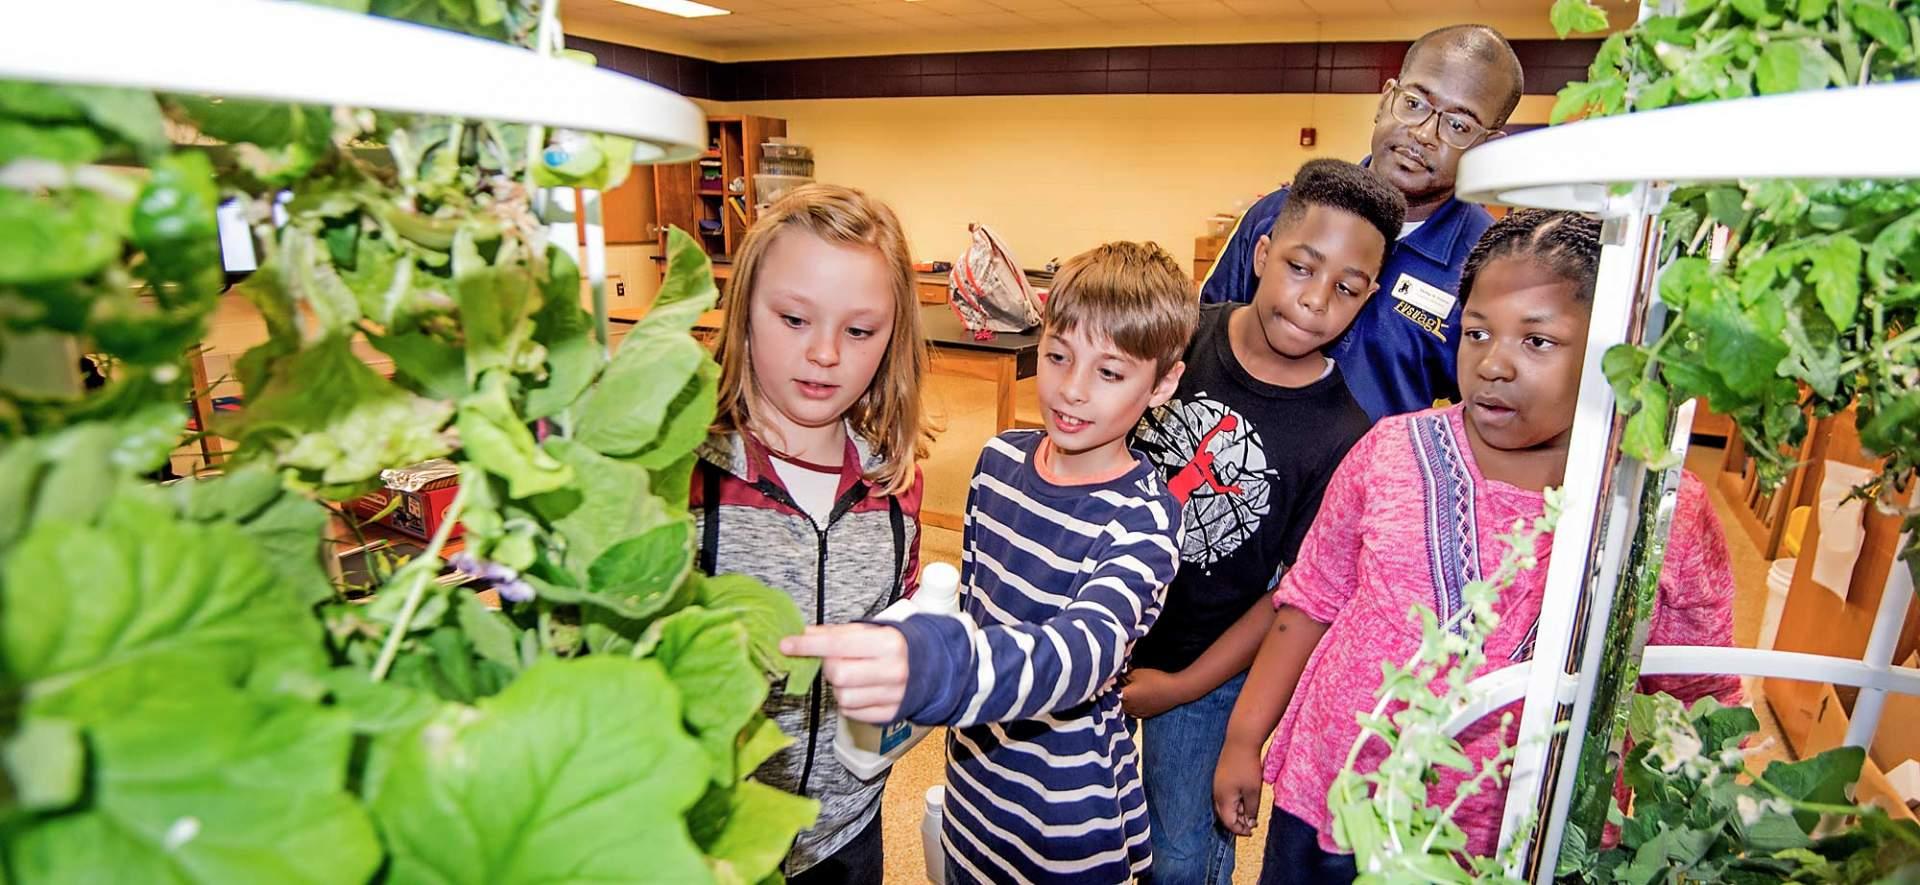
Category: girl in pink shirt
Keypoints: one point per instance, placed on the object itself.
(1409, 518)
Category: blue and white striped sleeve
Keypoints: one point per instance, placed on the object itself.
(961, 674)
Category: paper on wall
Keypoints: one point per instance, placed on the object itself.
(1842, 526)
(1905, 779)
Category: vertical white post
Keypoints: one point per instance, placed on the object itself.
(1589, 543)
(1887, 623)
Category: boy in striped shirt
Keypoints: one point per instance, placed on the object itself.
(1069, 543)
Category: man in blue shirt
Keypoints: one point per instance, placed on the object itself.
(1457, 85)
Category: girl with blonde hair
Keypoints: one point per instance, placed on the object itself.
(809, 480)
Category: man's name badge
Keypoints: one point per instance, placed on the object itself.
(1425, 296)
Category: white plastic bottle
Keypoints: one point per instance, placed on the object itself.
(930, 845)
(868, 750)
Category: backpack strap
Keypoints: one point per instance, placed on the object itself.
(899, 521)
(710, 511)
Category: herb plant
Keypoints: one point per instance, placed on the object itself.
(185, 695)
(1383, 816)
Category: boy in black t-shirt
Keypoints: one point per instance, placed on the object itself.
(1247, 443)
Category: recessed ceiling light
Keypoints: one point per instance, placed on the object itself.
(682, 8)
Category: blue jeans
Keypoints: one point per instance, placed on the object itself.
(1178, 751)
(1294, 855)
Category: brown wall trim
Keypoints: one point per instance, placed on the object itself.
(1333, 68)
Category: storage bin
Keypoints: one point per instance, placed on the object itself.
(768, 188)
(786, 166)
(780, 150)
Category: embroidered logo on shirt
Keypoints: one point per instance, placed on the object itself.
(1216, 467)
(1421, 318)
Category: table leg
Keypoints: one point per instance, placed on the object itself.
(1004, 383)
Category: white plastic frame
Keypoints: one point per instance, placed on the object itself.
(293, 52)
(1854, 133)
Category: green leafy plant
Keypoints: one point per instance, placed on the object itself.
(185, 694)
(1383, 816)
(1814, 307)
(1702, 814)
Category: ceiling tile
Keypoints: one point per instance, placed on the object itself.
(1195, 10)
(1138, 13)
(961, 7)
(1065, 16)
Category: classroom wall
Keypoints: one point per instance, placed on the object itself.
(1356, 20)
(1057, 174)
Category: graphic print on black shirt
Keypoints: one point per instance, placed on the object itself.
(1248, 461)
(1216, 467)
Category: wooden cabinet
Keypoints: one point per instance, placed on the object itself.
(624, 212)
(1818, 621)
(694, 198)
(1206, 250)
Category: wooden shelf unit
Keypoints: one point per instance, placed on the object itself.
(1815, 620)
(680, 199)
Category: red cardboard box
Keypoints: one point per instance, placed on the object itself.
(419, 513)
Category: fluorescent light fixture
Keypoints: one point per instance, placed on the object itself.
(682, 8)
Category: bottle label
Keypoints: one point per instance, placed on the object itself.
(894, 735)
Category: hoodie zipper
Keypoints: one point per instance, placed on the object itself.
(779, 495)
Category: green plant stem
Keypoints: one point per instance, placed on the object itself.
(418, 592)
(1797, 32)
(1882, 353)
(1798, 804)
(1866, 63)
(1490, 770)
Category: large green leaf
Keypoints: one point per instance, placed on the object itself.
(579, 771)
(348, 427)
(142, 592)
(283, 140)
(609, 502)
(1878, 19)
(129, 115)
(174, 225)
(194, 781)
(58, 236)
(45, 764)
(287, 526)
(68, 144)
(1895, 250)
(705, 652)
(496, 312)
(745, 831)
(769, 615)
(640, 574)
(1822, 779)
(626, 410)
(425, 363)
(1789, 66)
(1576, 16)
(498, 440)
(566, 331)
(689, 417)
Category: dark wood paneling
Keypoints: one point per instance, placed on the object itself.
(1304, 67)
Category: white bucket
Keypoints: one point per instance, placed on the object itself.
(930, 835)
(1779, 579)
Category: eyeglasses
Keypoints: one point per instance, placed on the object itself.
(1457, 130)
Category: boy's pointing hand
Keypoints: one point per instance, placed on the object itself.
(865, 663)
